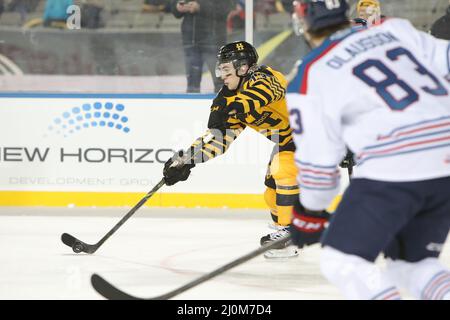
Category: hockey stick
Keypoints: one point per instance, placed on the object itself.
(80, 246)
(111, 292)
(350, 172)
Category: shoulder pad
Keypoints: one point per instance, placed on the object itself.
(262, 72)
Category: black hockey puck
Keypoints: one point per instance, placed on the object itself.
(77, 247)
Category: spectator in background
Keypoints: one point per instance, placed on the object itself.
(91, 14)
(152, 6)
(203, 31)
(287, 5)
(267, 8)
(56, 11)
(19, 6)
(441, 28)
(236, 17)
(161, 7)
(2, 7)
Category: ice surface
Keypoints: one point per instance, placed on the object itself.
(156, 251)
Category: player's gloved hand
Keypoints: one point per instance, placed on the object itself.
(218, 117)
(307, 226)
(348, 161)
(176, 169)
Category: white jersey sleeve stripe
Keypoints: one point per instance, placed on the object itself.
(306, 176)
(318, 177)
(443, 129)
(394, 133)
(379, 148)
(318, 173)
(332, 167)
(431, 146)
(432, 136)
(437, 136)
(441, 137)
(404, 137)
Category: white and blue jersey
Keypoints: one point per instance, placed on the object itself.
(383, 92)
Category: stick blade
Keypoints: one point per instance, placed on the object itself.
(68, 240)
(78, 245)
(109, 291)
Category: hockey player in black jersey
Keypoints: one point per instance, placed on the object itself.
(252, 96)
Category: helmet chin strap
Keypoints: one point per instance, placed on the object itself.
(241, 78)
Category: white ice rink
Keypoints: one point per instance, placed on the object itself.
(156, 251)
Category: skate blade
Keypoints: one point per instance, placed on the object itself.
(281, 254)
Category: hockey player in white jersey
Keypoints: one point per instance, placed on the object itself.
(383, 92)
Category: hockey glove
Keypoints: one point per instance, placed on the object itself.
(307, 226)
(177, 168)
(218, 117)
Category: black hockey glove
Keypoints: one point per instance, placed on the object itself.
(218, 118)
(175, 169)
(307, 226)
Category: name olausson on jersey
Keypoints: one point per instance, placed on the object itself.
(360, 46)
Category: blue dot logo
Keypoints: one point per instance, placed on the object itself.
(95, 115)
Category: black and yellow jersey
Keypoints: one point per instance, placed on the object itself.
(260, 104)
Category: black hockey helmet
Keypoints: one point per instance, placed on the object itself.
(321, 14)
(239, 53)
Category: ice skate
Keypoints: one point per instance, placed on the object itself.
(284, 252)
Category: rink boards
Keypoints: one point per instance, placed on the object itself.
(109, 150)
